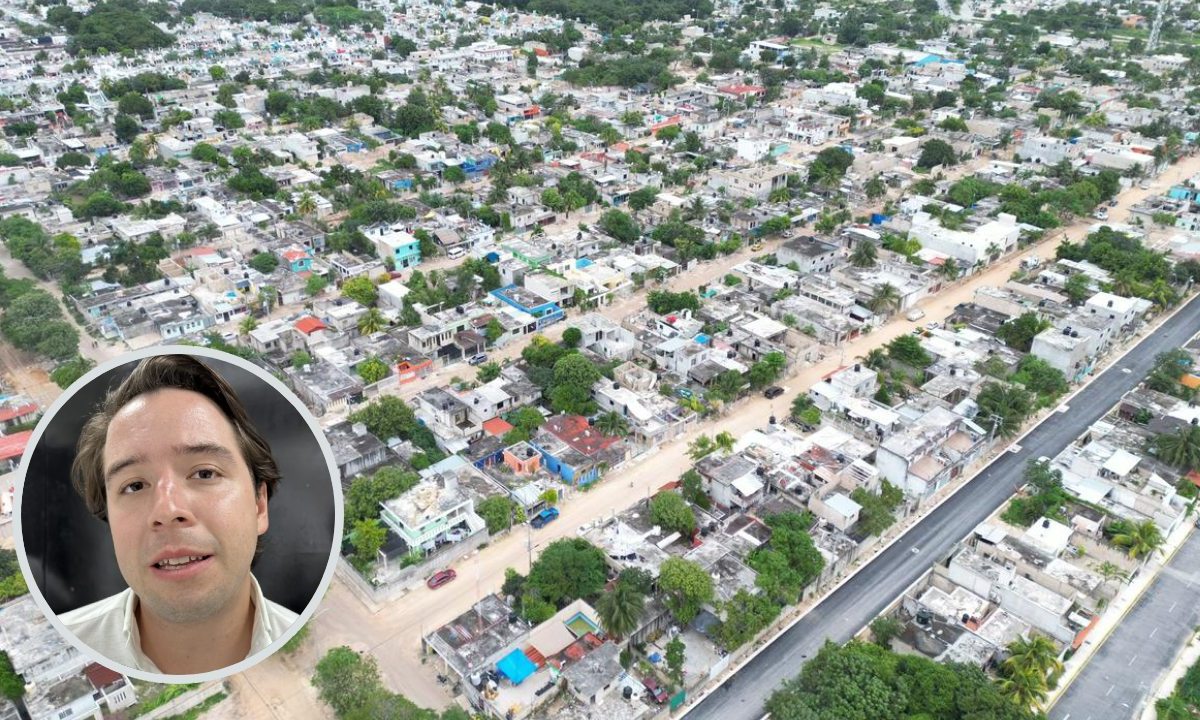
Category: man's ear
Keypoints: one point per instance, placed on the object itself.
(260, 502)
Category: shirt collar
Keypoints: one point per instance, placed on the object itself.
(261, 635)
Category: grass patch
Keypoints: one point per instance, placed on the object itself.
(165, 694)
(199, 709)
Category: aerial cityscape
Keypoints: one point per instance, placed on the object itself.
(719, 359)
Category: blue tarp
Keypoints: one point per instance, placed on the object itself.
(516, 667)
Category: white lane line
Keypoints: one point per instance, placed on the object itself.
(1132, 659)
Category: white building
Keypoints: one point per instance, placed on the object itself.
(967, 246)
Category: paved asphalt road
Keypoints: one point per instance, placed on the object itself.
(864, 596)
(1116, 682)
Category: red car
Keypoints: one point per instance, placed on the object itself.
(656, 691)
(439, 579)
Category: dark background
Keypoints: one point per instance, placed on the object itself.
(71, 553)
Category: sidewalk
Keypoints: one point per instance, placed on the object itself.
(1120, 606)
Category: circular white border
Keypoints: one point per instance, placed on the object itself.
(335, 543)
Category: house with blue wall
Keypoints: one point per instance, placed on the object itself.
(297, 259)
(527, 301)
(1181, 192)
(574, 450)
(395, 243)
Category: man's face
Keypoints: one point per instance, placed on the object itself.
(181, 504)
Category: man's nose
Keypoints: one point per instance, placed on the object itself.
(171, 502)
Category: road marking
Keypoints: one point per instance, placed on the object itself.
(1173, 607)
(1153, 631)
(1110, 689)
(1062, 408)
(916, 550)
(1014, 448)
(1132, 659)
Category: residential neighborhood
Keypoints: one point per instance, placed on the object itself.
(677, 357)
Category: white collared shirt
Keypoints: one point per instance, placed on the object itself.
(109, 626)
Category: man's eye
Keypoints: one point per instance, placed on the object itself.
(206, 474)
(132, 487)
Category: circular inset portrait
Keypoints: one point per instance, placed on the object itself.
(177, 514)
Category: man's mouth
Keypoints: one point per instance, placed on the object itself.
(179, 563)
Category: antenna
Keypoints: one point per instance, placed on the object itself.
(1156, 28)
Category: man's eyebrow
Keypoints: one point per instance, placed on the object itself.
(121, 464)
(204, 448)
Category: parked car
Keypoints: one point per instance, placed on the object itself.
(440, 578)
(756, 247)
(546, 516)
(915, 314)
(773, 392)
(456, 535)
(683, 392)
(1101, 214)
(656, 691)
(479, 359)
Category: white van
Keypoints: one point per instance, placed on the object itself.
(455, 253)
(915, 314)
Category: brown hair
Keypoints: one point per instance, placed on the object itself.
(160, 372)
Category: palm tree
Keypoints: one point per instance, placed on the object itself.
(725, 442)
(1037, 652)
(695, 210)
(612, 424)
(307, 204)
(247, 325)
(876, 359)
(863, 255)
(620, 609)
(371, 322)
(1141, 540)
(1180, 448)
(1025, 688)
(993, 251)
(885, 300)
(1111, 571)
(701, 447)
(949, 269)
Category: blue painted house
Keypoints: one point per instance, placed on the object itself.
(394, 243)
(527, 301)
(577, 452)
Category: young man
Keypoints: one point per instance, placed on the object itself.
(172, 463)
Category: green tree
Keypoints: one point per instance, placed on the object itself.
(500, 513)
(885, 299)
(675, 659)
(371, 322)
(746, 614)
(369, 536)
(315, 285)
(1019, 332)
(134, 103)
(12, 685)
(907, 349)
(493, 331)
(454, 174)
(1180, 448)
(671, 512)
(613, 424)
(126, 128)
(361, 290)
(70, 371)
(864, 254)
(619, 226)
(700, 447)
(488, 372)
(884, 629)
(1003, 407)
(571, 388)
(620, 609)
(346, 680)
(1078, 288)
(567, 570)
(571, 337)
(725, 442)
(685, 586)
(692, 487)
(372, 370)
(366, 492)
(264, 262)
(936, 152)
(1141, 540)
